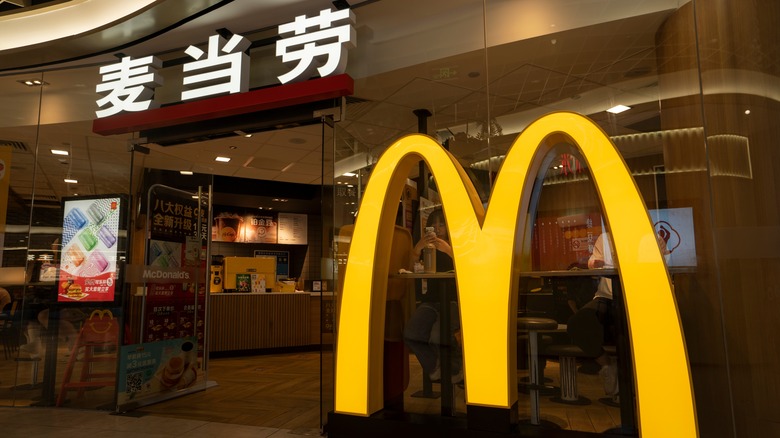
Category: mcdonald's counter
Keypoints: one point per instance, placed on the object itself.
(257, 321)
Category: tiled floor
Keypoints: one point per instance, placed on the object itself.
(67, 423)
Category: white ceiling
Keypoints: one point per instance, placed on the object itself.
(545, 55)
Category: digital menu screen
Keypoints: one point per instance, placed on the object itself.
(89, 250)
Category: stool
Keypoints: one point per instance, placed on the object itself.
(533, 325)
(545, 386)
(568, 355)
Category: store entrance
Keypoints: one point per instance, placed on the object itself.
(264, 278)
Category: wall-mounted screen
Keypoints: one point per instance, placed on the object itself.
(88, 270)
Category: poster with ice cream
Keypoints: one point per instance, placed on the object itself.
(149, 372)
(89, 249)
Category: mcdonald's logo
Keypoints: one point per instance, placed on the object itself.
(487, 248)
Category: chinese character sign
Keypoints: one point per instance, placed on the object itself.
(224, 70)
(324, 49)
(129, 85)
(308, 44)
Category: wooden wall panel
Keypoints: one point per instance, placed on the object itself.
(257, 321)
(729, 305)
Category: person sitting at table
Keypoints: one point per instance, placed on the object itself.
(422, 332)
(593, 325)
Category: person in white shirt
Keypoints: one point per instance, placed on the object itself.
(593, 325)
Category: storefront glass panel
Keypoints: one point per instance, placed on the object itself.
(699, 78)
(587, 59)
(19, 134)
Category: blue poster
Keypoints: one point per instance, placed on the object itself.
(153, 371)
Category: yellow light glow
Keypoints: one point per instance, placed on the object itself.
(487, 256)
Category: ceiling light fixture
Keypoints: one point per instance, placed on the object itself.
(222, 159)
(617, 109)
(71, 181)
(33, 82)
(185, 172)
(349, 174)
(59, 152)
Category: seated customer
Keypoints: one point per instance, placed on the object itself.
(593, 326)
(422, 332)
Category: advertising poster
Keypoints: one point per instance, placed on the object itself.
(174, 308)
(151, 371)
(89, 250)
(232, 226)
(675, 227)
(259, 229)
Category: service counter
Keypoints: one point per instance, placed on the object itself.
(257, 321)
(252, 321)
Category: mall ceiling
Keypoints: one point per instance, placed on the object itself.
(570, 66)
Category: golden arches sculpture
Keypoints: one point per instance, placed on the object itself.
(491, 242)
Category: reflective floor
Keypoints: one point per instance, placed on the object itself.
(274, 395)
(66, 423)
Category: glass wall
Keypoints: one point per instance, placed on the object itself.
(54, 160)
(697, 78)
(700, 81)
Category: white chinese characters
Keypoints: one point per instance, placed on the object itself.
(231, 65)
(324, 50)
(312, 44)
(129, 85)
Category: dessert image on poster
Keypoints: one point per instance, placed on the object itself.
(150, 369)
(89, 248)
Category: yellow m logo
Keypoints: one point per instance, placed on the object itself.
(487, 249)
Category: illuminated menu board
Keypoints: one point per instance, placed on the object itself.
(88, 269)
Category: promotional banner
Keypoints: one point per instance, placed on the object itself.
(175, 308)
(89, 249)
(152, 371)
(234, 226)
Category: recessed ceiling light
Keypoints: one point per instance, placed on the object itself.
(33, 82)
(349, 174)
(71, 181)
(747, 112)
(222, 159)
(59, 152)
(617, 109)
(185, 172)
